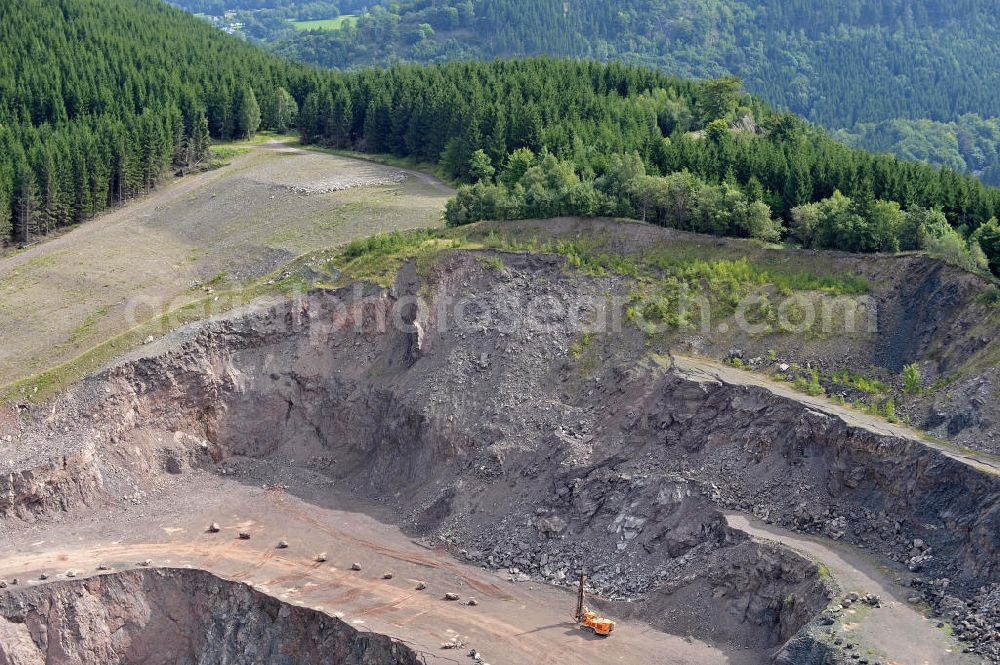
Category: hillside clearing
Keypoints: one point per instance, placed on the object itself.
(325, 23)
(191, 239)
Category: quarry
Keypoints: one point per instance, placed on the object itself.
(499, 332)
(314, 477)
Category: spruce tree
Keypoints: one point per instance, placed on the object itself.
(5, 203)
(26, 211)
(200, 140)
(246, 113)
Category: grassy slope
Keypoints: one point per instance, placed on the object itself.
(202, 245)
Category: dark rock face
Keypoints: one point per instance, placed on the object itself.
(176, 617)
(806, 469)
(806, 649)
(910, 324)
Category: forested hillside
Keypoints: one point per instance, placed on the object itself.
(286, 8)
(548, 137)
(98, 98)
(971, 143)
(836, 64)
(857, 62)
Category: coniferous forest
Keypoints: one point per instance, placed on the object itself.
(545, 137)
(102, 97)
(885, 71)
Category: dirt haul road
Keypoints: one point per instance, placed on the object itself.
(512, 623)
(713, 370)
(897, 628)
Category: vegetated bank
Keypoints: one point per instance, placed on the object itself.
(549, 137)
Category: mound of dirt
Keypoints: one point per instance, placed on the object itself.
(176, 617)
(350, 182)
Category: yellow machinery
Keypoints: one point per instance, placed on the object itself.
(589, 620)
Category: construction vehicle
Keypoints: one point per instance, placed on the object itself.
(589, 620)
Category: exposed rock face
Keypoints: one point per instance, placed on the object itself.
(913, 329)
(176, 617)
(968, 413)
(496, 441)
(60, 483)
(751, 594)
(806, 649)
(813, 470)
(927, 312)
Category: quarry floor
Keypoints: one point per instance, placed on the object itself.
(513, 623)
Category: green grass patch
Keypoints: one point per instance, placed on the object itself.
(491, 262)
(29, 270)
(809, 385)
(943, 382)
(684, 262)
(225, 153)
(724, 273)
(326, 23)
(221, 152)
(991, 295)
(673, 279)
(860, 382)
(88, 325)
(378, 258)
(577, 349)
(586, 355)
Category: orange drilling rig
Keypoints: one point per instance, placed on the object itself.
(589, 620)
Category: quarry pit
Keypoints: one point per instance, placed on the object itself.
(707, 505)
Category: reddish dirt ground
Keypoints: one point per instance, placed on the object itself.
(513, 623)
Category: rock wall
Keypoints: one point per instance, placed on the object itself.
(176, 617)
(58, 484)
(813, 470)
